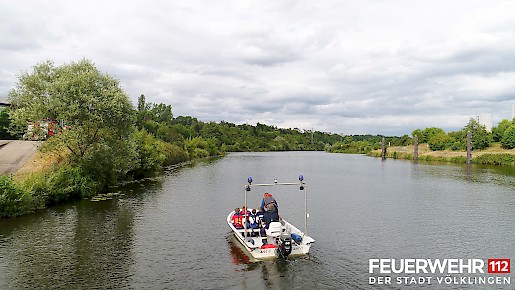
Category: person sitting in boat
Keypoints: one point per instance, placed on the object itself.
(245, 212)
(253, 220)
(267, 200)
(237, 219)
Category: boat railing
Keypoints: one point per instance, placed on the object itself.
(302, 186)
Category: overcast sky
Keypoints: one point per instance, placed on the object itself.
(351, 67)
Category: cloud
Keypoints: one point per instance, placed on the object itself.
(341, 66)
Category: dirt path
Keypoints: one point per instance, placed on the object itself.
(14, 154)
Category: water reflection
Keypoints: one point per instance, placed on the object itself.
(275, 273)
(238, 255)
(81, 246)
(170, 232)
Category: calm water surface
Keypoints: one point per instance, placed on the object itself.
(170, 232)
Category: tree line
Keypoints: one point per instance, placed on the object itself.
(100, 138)
(438, 139)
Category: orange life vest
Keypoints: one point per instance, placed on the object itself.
(237, 220)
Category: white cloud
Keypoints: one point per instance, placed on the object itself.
(380, 67)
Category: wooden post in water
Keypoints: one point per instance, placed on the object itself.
(383, 150)
(469, 147)
(415, 148)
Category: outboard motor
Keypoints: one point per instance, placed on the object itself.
(284, 245)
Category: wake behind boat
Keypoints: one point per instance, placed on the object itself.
(274, 238)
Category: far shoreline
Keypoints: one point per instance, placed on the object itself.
(493, 155)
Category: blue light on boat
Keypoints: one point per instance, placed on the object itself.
(249, 179)
(301, 177)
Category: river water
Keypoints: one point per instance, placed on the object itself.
(170, 232)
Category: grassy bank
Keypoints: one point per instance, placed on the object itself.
(50, 178)
(494, 155)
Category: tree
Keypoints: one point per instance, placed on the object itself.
(429, 133)
(418, 133)
(157, 113)
(508, 138)
(498, 131)
(5, 124)
(96, 111)
(425, 135)
(440, 141)
(162, 113)
(481, 138)
(460, 138)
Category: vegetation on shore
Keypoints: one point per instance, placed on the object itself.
(102, 139)
(495, 148)
(493, 155)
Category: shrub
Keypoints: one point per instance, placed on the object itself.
(13, 200)
(458, 146)
(173, 153)
(495, 159)
(199, 147)
(508, 138)
(199, 153)
(149, 156)
(60, 185)
(459, 159)
(440, 141)
(69, 183)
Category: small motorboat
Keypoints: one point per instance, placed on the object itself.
(281, 239)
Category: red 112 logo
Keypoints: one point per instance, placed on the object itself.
(499, 266)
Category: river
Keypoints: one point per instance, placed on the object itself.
(170, 232)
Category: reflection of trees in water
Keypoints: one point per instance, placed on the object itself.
(82, 246)
(85, 245)
(103, 247)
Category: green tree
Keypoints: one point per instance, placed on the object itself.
(460, 138)
(429, 133)
(162, 113)
(481, 138)
(418, 133)
(440, 141)
(498, 131)
(508, 138)
(96, 111)
(425, 135)
(5, 123)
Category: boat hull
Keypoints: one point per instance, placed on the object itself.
(267, 247)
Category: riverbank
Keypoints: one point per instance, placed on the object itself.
(493, 155)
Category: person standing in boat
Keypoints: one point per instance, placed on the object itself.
(270, 215)
(267, 200)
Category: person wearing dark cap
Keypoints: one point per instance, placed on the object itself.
(268, 200)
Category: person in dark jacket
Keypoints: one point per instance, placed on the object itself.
(267, 200)
(271, 215)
